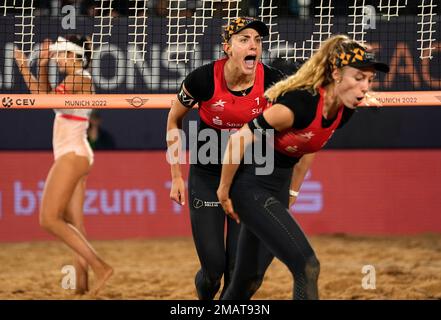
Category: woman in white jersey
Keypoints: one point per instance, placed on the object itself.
(61, 211)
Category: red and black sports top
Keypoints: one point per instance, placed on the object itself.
(296, 142)
(310, 130)
(221, 108)
(225, 110)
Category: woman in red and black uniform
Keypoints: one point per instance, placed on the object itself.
(61, 211)
(307, 108)
(229, 93)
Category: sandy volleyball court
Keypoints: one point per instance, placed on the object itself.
(406, 268)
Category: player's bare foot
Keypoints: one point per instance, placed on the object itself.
(101, 277)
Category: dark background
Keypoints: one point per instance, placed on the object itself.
(402, 127)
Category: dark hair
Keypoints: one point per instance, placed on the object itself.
(82, 41)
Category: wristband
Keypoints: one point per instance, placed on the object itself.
(293, 193)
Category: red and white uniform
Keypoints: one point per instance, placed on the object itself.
(70, 128)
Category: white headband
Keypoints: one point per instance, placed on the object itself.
(64, 45)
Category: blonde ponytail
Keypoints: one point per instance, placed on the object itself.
(315, 72)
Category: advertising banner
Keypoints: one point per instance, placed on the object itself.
(353, 192)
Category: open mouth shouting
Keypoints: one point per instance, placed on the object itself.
(250, 62)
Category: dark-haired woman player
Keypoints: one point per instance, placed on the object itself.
(229, 93)
(61, 211)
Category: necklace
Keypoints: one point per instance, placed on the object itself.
(245, 91)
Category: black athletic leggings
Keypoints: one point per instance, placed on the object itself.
(262, 202)
(216, 255)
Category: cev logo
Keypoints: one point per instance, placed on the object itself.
(7, 102)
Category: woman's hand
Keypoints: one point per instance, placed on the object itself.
(223, 194)
(44, 54)
(292, 200)
(20, 59)
(177, 192)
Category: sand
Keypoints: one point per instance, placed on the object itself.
(405, 268)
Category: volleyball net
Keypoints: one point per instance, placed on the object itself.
(141, 50)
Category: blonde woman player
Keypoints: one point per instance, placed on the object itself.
(307, 108)
(61, 211)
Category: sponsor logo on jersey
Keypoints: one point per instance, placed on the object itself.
(218, 106)
(217, 121)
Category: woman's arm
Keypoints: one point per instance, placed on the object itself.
(43, 64)
(237, 144)
(78, 84)
(23, 66)
(174, 148)
(298, 175)
(34, 84)
(280, 118)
